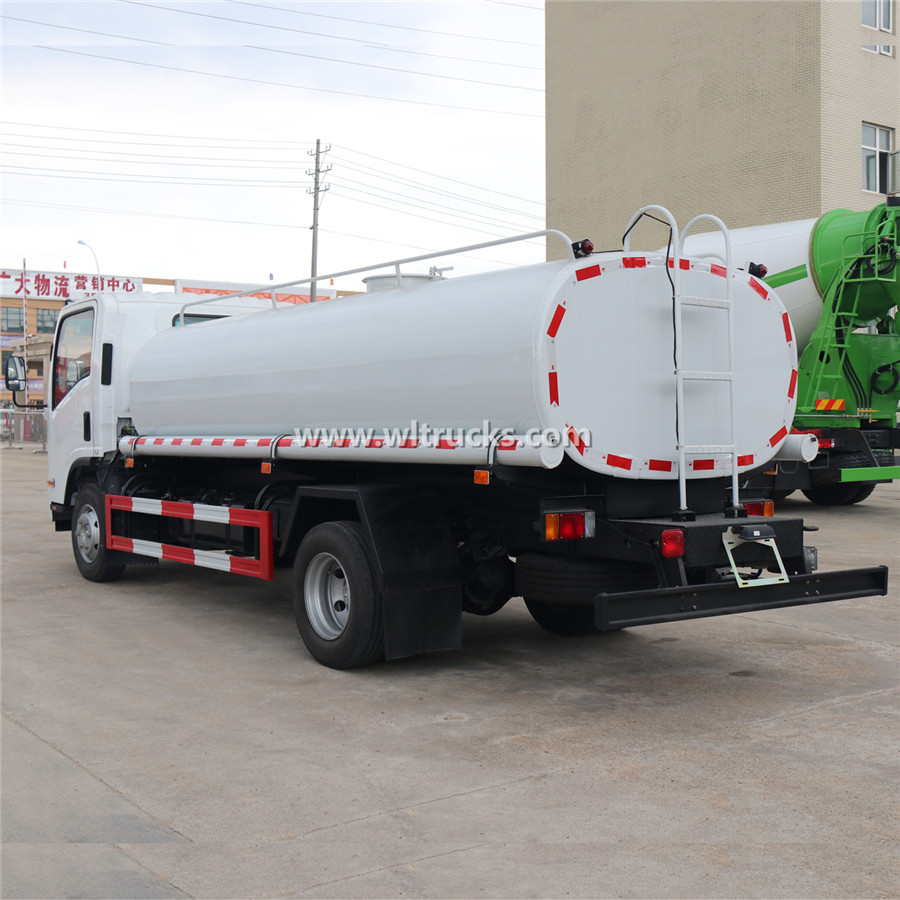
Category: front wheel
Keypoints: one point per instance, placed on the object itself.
(336, 602)
(94, 560)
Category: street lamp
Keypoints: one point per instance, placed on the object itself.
(96, 262)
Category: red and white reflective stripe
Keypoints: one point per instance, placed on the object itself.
(556, 321)
(759, 287)
(553, 380)
(788, 334)
(793, 385)
(200, 512)
(619, 462)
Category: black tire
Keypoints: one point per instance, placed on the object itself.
(94, 560)
(839, 494)
(336, 602)
(559, 591)
(568, 621)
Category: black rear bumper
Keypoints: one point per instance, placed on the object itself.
(614, 611)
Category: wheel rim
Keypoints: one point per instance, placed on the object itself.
(87, 534)
(327, 596)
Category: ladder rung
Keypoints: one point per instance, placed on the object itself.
(688, 375)
(705, 301)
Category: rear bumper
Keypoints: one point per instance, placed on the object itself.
(615, 611)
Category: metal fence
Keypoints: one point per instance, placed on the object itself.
(19, 426)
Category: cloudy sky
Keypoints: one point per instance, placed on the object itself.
(175, 137)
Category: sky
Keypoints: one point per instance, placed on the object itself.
(177, 139)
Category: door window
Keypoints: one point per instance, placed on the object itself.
(72, 360)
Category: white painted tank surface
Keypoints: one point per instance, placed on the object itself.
(781, 247)
(585, 345)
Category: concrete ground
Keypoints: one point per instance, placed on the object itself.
(168, 736)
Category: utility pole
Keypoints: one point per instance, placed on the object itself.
(317, 190)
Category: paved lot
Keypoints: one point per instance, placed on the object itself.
(168, 736)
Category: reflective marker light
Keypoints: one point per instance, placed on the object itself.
(551, 527)
(672, 543)
(760, 508)
(482, 476)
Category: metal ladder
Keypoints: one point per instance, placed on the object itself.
(683, 374)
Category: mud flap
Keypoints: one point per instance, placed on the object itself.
(416, 565)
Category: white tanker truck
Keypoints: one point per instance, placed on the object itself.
(573, 432)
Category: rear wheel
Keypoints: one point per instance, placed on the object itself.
(336, 601)
(569, 621)
(559, 591)
(838, 494)
(94, 560)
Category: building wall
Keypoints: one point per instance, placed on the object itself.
(857, 86)
(747, 109)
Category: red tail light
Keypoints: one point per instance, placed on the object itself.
(671, 543)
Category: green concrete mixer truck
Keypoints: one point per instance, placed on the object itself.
(839, 278)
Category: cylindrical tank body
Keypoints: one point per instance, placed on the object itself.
(583, 348)
(803, 257)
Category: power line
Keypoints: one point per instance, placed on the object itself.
(346, 62)
(204, 161)
(300, 87)
(362, 168)
(468, 37)
(417, 216)
(444, 177)
(366, 170)
(131, 212)
(337, 37)
(121, 37)
(187, 137)
(416, 203)
(367, 42)
(124, 178)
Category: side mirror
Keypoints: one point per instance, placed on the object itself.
(15, 376)
(75, 371)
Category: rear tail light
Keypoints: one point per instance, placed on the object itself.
(569, 526)
(671, 543)
(760, 508)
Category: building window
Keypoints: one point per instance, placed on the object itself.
(877, 143)
(46, 320)
(12, 319)
(883, 49)
(877, 14)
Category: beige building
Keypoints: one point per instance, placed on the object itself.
(754, 110)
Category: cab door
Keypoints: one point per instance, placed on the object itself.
(70, 429)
